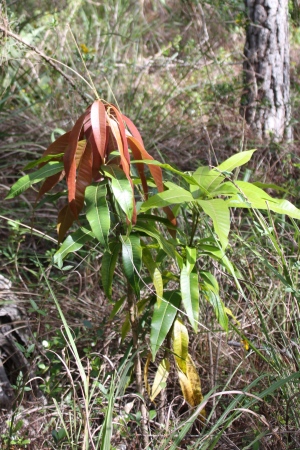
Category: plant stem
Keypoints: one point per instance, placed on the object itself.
(194, 226)
(134, 322)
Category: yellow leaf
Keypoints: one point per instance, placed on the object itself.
(160, 378)
(193, 376)
(158, 284)
(186, 388)
(180, 344)
(191, 386)
(246, 344)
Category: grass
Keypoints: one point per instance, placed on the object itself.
(184, 94)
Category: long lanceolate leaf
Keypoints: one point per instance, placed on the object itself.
(121, 188)
(50, 169)
(57, 147)
(218, 210)
(65, 220)
(237, 160)
(160, 379)
(49, 183)
(98, 125)
(132, 260)
(190, 295)
(84, 176)
(122, 133)
(97, 212)
(176, 195)
(73, 243)
(180, 344)
(70, 163)
(163, 317)
(139, 152)
(109, 261)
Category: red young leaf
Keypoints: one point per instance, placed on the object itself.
(84, 177)
(117, 135)
(133, 129)
(124, 164)
(122, 132)
(156, 172)
(70, 163)
(140, 167)
(98, 125)
(58, 146)
(49, 183)
(64, 222)
(81, 146)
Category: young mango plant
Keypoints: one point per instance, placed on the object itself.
(103, 160)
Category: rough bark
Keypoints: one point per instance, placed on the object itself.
(266, 99)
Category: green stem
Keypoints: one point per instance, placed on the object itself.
(194, 226)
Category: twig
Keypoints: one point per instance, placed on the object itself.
(48, 59)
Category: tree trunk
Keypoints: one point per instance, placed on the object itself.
(266, 99)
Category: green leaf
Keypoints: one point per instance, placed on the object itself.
(210, 289)
(152, 231)
(163, 317)
(132, 260)
(52, 168)
(121, 188)
(208, 179)
(210, 281)
(253, 193)
(152, 267)
(109, 261)
(190, 295)
(97, 212)
(71, 244)
(169, 197)
(191, 257)
(226, 188)
(153, 218)
(218, 211)
(107, 426)
(282, 206)
(117, 307)
(259, 199)
(183, 175)
(218, 306)
(149, 261)
(237, 160)
(42, 160)
(158, 284)
(219, 255)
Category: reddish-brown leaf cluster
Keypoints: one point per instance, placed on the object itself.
(101, 130)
